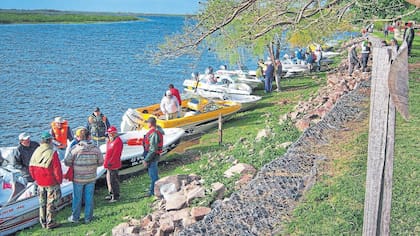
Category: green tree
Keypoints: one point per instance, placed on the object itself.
(230, 26)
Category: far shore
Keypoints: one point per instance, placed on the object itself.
(59, 17)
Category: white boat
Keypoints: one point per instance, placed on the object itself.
(240, 76)
(19, 204)
(246, 101)
(133, 145)
(224, 85)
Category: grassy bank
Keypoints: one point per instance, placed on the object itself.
(58, 17)
(334, 206)
(206, 159)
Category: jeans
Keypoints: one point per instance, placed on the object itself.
(268, 85)
(152, 169)
(83, 191)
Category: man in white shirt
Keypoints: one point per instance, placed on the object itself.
(169, 105)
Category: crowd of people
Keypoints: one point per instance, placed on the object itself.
(40, 163)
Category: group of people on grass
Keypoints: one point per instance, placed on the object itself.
(41, 163)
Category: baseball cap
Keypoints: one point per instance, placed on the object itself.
(96, 109)
(24, 136)
(151, 120)
(46, 135)
(59, 119)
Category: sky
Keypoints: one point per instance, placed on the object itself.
(135, 6)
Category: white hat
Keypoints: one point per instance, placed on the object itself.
(168, 93)
(24, 136)
(59, 119)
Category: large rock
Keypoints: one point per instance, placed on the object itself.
(246, 178)
(175, 201)
(198, 213)
(196, 192)
(219, 189)
(166, 227)
(168, 183)
(240, 169)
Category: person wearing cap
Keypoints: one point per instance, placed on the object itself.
(153, 144)
(85, 157)
(25, 150)
(175, 92)
(269, 76)
(76, 139)
(169, 105)
(45, 169)
(97, 125)
(112, 163)
(61, 132)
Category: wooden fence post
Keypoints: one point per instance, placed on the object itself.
(378, 194)
(220, 129)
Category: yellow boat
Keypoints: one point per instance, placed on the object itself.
(197, 115)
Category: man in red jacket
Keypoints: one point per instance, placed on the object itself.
(112, 163)
(45, 169)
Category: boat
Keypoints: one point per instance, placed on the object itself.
(197, 115)
(132, 153)
(247, 101)
(241, 76)
(19, 204)
(223, 85)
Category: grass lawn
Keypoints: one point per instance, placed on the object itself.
(334, 206)
(207, 159)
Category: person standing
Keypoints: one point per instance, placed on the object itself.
(85, 157)
(259, 73)
(365, 55)
(408, 36)
(318, 58)
(279, 71)
(269, 76)
(25, 150)
(97, 125)
(61, 132)
(353, 59)
(175, 92)
(169, 105)
(45, 169)
(153, 143)
(112, 163)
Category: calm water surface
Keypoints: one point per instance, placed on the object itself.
(49, 70)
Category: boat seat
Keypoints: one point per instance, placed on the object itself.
(17, 187)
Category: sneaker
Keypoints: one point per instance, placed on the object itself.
(72, 220)
(109, 197)
(53, 225)
(113, 200)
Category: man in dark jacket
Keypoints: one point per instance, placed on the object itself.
(269, 76)
(353, 59)
(409, 36)
(25, 150)
(97, 125)
(153, 144)
(45, 169)
(112, 163)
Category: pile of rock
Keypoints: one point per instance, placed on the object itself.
(338, 84)
(176, 193)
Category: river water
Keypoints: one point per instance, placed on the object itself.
(49, 70)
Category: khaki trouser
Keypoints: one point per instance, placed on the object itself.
(48, 202)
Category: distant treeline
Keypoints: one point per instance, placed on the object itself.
(10, 18)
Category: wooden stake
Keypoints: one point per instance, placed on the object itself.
(220, 129)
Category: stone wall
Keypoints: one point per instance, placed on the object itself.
(260, 207)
